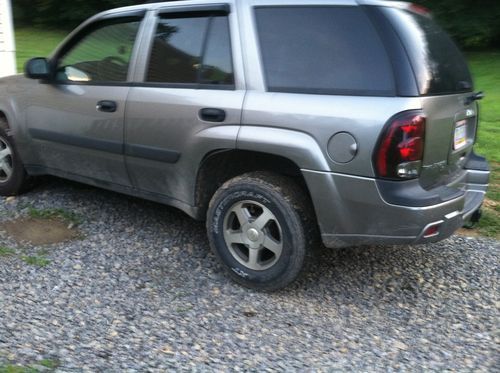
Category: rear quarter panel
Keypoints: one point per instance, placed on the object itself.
(320, 117)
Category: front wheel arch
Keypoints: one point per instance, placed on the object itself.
(18, 180)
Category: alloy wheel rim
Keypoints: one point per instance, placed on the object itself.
(253, 235)
(6, 165)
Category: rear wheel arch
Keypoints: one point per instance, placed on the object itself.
(299, 147)
(262, 229)
(4, 121)
(219, 166)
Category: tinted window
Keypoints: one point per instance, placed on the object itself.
(101, 55)
(191, 50)
(438, 64)
(217, 62)
(177, 48)
(325, 50)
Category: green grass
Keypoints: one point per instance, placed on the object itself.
(45, 365)
(6, 251)
(32, 42)
(36, 260)
(486, 72)
(17, 369)
(49, 363)
(53, 213)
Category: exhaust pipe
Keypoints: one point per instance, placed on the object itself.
(474, 218)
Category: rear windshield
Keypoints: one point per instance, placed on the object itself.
(323, 50)
(439, 66)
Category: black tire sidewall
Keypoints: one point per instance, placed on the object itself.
(292, 256)
(14, 184)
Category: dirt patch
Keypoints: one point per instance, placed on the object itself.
(468, 232)
(39, 231)
(490, 203)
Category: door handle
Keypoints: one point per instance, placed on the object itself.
(106, 106)
(212, 115)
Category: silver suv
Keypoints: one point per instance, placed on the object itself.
(280, 122)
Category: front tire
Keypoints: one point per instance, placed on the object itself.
(13, 177)
(261, 228)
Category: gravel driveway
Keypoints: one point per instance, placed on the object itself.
(141, 291)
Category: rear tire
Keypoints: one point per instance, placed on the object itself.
(262, 229)
(13, 176)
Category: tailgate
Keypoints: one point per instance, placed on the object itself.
(449, 138)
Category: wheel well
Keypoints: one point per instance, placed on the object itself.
(3, 120)
(220, 166)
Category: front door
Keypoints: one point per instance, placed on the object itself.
(76, 120)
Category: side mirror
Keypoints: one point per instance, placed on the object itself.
(37, 68)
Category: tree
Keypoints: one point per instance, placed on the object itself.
(473, 24)
(62, 13)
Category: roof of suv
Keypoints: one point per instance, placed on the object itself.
(164, 4)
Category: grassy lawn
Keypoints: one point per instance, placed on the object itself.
(35, 43)
(486, 71)
(485, 68)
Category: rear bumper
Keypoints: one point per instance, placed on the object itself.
(354, 210)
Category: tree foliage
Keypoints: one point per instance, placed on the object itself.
(473, 23)
(61, 13)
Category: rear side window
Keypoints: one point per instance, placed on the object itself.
(217, 63)
(191, 50)
(437, 62)
(323, 50)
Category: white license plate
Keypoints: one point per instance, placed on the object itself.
(460, 135)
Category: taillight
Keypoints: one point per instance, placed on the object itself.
(401, 147)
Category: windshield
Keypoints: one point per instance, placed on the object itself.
(439, 66)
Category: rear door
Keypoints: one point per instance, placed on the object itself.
(445, 86)
(188, 86)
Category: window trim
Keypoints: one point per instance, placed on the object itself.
(209, 8)
(320, 91)
(217, 10)
(119, 18)
(217, 87)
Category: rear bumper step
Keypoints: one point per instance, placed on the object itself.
(352, 210)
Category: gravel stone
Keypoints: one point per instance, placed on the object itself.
(140, 291)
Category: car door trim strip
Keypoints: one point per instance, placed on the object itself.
(153, 153)
(115, 147)
(109, 146)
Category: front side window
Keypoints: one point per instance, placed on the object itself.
(191, 50)
(101, 55)
(323, 50)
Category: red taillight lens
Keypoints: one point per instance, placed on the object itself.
(401, 147)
